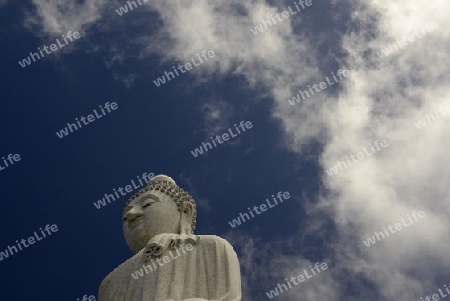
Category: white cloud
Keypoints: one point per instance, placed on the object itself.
(217, 117)
(406, 176)
(60, 16)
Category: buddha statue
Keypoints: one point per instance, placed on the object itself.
(159, 221)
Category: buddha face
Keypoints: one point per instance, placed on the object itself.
(148, 215)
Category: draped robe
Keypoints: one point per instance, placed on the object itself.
(209, 271)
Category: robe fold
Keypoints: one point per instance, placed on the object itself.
(210, 271)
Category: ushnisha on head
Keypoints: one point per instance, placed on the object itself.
(160, 207)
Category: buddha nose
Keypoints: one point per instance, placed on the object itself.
(133, 214)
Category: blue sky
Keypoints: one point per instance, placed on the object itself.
(154, 129)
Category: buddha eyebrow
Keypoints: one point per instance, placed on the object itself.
(145, 197)
(151, 196)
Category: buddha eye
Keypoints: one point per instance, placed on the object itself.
(147, 204)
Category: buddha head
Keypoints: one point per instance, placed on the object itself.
(161, 207)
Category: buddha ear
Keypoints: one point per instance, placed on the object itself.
(186, 218)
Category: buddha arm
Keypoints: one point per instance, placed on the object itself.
(232, 280)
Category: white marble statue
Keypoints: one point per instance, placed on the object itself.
(159, 221)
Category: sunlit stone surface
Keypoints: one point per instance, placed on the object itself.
(170, 261)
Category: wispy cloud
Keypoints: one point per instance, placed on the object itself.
(59, 16)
